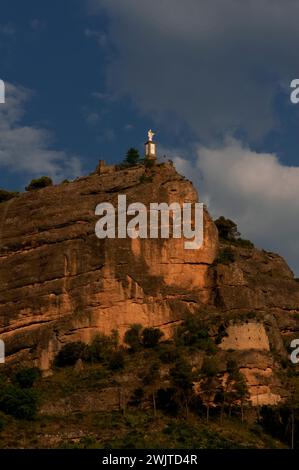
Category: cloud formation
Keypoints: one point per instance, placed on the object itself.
(254, 189)
(216, 65)
(27, 149)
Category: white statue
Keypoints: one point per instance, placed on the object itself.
(150, 135)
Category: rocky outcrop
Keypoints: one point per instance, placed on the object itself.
(60, 283)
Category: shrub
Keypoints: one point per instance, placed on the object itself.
(232, 366)
(152, 375)
(168, 353)
(225, 256)
(151, 337)
(137, 397)
(181, 375)
(39, 183)
(25, 378)
(133, 337)
(243, 243)
(166, 400)
(117, 360)
(209, 367)
(2, 422)
(101, 348)
(145, 179)
(70, 353)
(148, 163)
(195, 335)
(7, 195)
(17, 402)
(227, 229)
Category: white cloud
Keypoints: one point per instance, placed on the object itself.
(28, 148)
(254, 189)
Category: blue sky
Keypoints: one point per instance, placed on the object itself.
(86, 79)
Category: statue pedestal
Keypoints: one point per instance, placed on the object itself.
(150, 150)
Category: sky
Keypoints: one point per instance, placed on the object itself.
(86, 79)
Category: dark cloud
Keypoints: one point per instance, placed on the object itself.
(214, 64)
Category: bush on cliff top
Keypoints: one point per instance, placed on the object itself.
(7, 195)
(132, 157)
(228, 231)
(39, 183)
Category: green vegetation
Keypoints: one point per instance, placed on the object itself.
(145, 179)
(25, 378)
(155, 394)
(148, 163)
(225, 256)
(39, 183)
(194, 335)
(132, 157)
(7, 195)
(228, 231)
(18, 399)
(99, 351)
(133, 337)
(69, 354)
(151, 337)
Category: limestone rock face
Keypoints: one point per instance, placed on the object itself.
(259, 298)
(60, 283)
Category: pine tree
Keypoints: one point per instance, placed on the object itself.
(132, 157)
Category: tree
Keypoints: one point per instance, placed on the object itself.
(70, 353)
(117, 360)
(25, 378)
(151, 337)
(181, 378)
(133, 337)
(194, 334)
(101, 348)
(293, 404)
(241, 392)
(227, 229)
(39, 183)
(152, 379)
(17, 402)
(208, 386)
(132, 157)
(235, 390)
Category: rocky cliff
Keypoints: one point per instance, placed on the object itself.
(60, 283)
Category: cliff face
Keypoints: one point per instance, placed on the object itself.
(60, 283)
